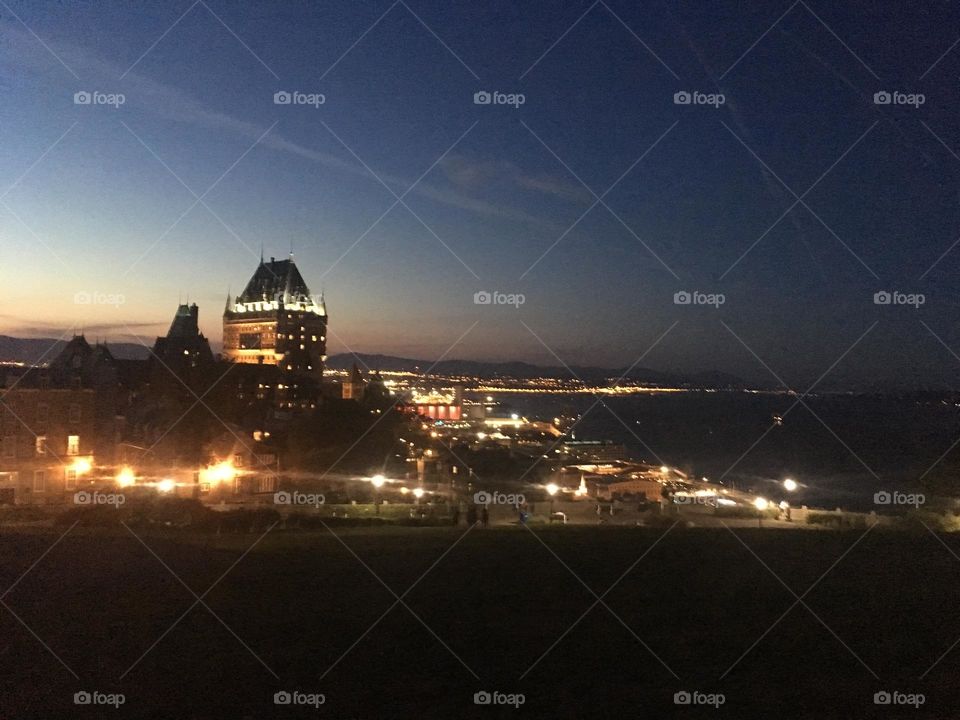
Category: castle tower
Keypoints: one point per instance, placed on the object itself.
(276, 321)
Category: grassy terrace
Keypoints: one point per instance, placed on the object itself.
(499, 599)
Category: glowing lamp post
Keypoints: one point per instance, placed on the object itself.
(82, 466)
(377, 481)
(790, 485)
(760, 504)
(166, 486)
(126, 478)
(418, 493)
(552, 490)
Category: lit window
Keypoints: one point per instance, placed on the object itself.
(41, 445)
(71, 479)
(73, 444)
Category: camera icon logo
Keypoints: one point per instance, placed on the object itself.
(682, 698)
(82, 498)
(482, 698)
(282, 498)
(682, 98)
(482, 297)
(882, 297)
(482, 97)
(482, 498)
(882, 98)
(882, 498)
(282, 97)
(282, 697)
(882, 698)
(682, 298)
(82, 98)
(82, 698)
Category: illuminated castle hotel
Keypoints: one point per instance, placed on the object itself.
(276, 321)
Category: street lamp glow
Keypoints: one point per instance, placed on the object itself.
(761, 503)
(126, 478)
(790, 485)
(377, 481)
(82, 466)
(418, 493)
(166, 485)
(552, 489)
(664, 469)
(223, 472)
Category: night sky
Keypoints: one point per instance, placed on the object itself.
(104, 200)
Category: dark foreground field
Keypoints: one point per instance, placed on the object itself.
(493, 605)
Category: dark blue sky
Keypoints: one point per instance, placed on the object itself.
(99, 211)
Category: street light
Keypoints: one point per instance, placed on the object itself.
(377, 481)
(552, 489)
(166, 485)
(126, 478)
(790, 485)
(82, 466)
(761, 504)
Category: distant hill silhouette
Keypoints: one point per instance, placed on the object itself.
(523, 370)
(31, 351)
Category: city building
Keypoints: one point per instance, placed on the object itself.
(47, 430)
(595, 450)
(276, 321)
(184, 346)
(353, 387)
